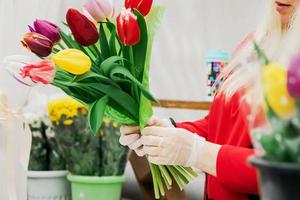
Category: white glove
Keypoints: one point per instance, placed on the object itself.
(172, 146)
(130, 135)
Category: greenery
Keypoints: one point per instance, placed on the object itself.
(86, 154)
(44, 155)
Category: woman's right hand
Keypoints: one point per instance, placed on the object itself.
(130, 135)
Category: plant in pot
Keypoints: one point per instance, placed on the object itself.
(277, 134)
(47, 171)
(95, 163)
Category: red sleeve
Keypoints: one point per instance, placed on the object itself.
(234, 172)
(199, 127)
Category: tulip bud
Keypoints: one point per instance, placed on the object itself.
(46, 29)
(84, 31)
(275, 90)
(38, 44)
(294, 77)
(99, 9)
(40, 72)
(128, 28)
(73, 61)
(143, 6)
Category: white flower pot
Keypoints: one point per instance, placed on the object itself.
(48, 185)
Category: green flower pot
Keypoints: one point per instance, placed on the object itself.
(96, 188)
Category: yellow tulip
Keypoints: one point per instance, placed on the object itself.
(275, 89)
(73, 61)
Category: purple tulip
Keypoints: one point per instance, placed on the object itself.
(46, 29)
(38, 44)
(294, 77)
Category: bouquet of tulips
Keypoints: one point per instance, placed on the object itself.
(103, 63)
(278, 133)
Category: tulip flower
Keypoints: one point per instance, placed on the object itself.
(143, 6)
(84, 31)
(128, 28)
(29, 73)
(294, 77)
(38, 44)
(47, 29)
(99, 9)
(275, 89)
(73, 61)
(40, 72)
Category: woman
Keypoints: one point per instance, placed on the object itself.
(220, 144)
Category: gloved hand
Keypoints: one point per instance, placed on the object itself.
(171, 146)
(130, 135)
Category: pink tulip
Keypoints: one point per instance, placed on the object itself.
(99, 9)
(40, 72)
(30, 73)
(294, 77)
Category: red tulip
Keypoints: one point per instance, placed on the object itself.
(128, 28)
(143, 6)
(46, 29)
(84, 31)
(38, 44)
(39, 72)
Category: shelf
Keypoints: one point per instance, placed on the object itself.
(190, 105)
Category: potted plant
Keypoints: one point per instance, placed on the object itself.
(277, 135)
(47, 171)
(95, 163)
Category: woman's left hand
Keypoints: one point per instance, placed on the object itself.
(171, 146)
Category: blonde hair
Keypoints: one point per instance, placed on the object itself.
(244, 69)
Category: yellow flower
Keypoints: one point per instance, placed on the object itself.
(275, 89)
(73, 61)
(68, 122)
(67, 107)
(106, 121)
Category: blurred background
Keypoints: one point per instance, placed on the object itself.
(188, 31)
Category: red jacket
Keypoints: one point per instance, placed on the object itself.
(226, 125)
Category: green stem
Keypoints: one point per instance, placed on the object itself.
(165, 174)
(61, 46)
(159, 180)
(133, 71)
(176, 177)
(190, 171)
(95, 50)
(154, 179)
(261, 55)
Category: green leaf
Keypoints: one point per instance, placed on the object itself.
(119, 96)
(126, 102)
(103, 42)
(113, 38)
(92, 77)
(109, 63)
(85, 93)
(96, 113)
(140, 50)
(68, 40)
(120, 70)
(153, 20)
